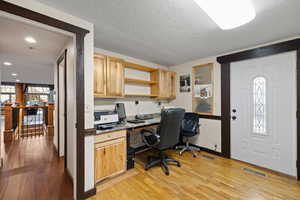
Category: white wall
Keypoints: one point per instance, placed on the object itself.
(71, 107)
(146, 105)
(210, 130)
(38, 75)
(88, 63)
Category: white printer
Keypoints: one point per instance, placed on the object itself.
(105, 119)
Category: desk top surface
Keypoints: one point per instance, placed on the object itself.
(154, 121)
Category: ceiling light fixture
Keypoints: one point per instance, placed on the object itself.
(30, 40)
(14, 74)
(17, 80)
(228, 14)
(7, 63)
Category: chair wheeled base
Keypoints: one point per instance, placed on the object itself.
(187, 147)
(162, 160)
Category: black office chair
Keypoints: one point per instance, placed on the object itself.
(166, 137)
(189, 128)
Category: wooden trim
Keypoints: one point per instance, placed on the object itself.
(38, 17)
(89, 193)
(282, 47)
(80, 110)
(225, 109)
(291, 45)
(214, 117)
(208, 150)
(80, 34)
(91, 131)
(139, 67)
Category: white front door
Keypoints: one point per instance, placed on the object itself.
(263, 112)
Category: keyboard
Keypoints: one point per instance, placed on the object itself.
(135, 121)
(144, 117)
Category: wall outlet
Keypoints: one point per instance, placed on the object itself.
(216, 147)
(159, 103)
(136, 102)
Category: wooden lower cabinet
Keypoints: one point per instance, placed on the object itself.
(110, 156)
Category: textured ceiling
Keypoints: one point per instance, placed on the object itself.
(171, 32)
(31, 65)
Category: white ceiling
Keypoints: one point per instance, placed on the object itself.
(171, 32)
(31, 65)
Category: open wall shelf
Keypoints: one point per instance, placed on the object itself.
(137, 81)
(140, 95)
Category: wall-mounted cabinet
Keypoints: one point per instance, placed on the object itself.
(110, 80)
(166, 88)
(108, 77)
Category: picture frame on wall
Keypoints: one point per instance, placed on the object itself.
(185, 83)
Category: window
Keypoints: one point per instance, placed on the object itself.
(7, 94)
(40, 90)
(259, 105)
(37, 95)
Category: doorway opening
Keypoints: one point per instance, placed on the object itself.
(29, 99)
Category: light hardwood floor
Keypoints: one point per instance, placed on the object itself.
(201, 178)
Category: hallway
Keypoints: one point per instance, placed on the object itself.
(32, 171)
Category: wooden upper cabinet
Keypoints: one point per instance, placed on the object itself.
(167, 84)
(115, 77)
(173, 85)
(109, 79)
(108, 76)
(100, 75)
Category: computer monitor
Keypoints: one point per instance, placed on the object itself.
(120, 109)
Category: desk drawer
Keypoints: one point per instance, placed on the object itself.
(109, 136)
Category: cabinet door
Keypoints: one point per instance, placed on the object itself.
(164, 84)
(115, 77)
(110, 159)
(99, 75)
(173, 85)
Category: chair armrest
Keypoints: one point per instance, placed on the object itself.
(150, 137)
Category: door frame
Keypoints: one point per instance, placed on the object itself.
(282, 47)
(80, 34)
(63, 57)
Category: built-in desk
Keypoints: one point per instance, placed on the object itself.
(150, 122)
(113, 155)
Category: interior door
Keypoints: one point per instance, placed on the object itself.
(61, 107)
(263, 103)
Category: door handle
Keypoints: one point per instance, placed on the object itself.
(233, 117)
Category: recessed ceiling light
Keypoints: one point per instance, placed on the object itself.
(14, 74)
(17, 80)
(30, 40)
(228, 14)
(7, 63)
